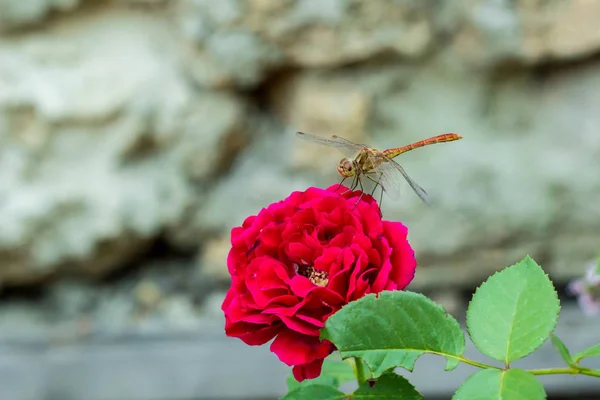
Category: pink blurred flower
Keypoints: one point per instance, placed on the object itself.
(587, 290)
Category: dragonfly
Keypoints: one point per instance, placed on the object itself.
(377, 165)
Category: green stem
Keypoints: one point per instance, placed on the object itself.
(467, 361)
(360, 370)
(544, 371)
(570, 371)
(476, 363)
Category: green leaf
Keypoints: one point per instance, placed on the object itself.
(322, 379)
(562, 349)
(389, 386)
(342, 370)
(314, 391)
(333, 373)
(593, 351)
(513, 312)
(393, 329)
(495, 384)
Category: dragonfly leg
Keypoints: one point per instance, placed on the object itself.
(377, 183)
(381, 193)
(380, 197)
(340, 184)
(353, 186)
(355, 183)
(362, 191)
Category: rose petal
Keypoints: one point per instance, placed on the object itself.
(300, 252)
(253, 334)
(382, 277)
(402, 257)
(329, 260)
(357, 267)
(344, 238)
(296, 324)
(308, 371)
(264, 281)
(301, 286)
(294, 349)
(236, 262)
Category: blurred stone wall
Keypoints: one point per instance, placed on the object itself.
(130, 123)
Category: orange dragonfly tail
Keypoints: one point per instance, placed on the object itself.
(446, 137)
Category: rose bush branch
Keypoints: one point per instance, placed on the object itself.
(324, 276)
(565, 371)
(542, 371)
(510, 316)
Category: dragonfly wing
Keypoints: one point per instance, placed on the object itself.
(347, 142)
(390, 179)
(346, 146)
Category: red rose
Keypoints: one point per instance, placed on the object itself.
(300, 260)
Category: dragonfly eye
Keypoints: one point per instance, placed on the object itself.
(346, 168)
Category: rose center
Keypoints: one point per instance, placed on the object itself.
(319, 278)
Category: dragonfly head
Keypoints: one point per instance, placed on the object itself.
(346, 168)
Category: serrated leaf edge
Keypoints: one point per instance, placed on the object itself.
(388, 372)
(556, 343)
(300, 388)
(555, 319)
(580, 355)
(502, 376)
(448, 318)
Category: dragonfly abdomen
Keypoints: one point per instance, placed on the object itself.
(446, 137)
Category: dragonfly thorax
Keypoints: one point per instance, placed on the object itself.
(346, 168)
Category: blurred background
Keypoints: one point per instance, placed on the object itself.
(134, 134)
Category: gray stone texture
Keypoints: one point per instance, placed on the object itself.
(122, 121)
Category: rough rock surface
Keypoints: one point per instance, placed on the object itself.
(238, 41)
(104, 143)
(125, 122)
(529, 32)
(17, 13)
